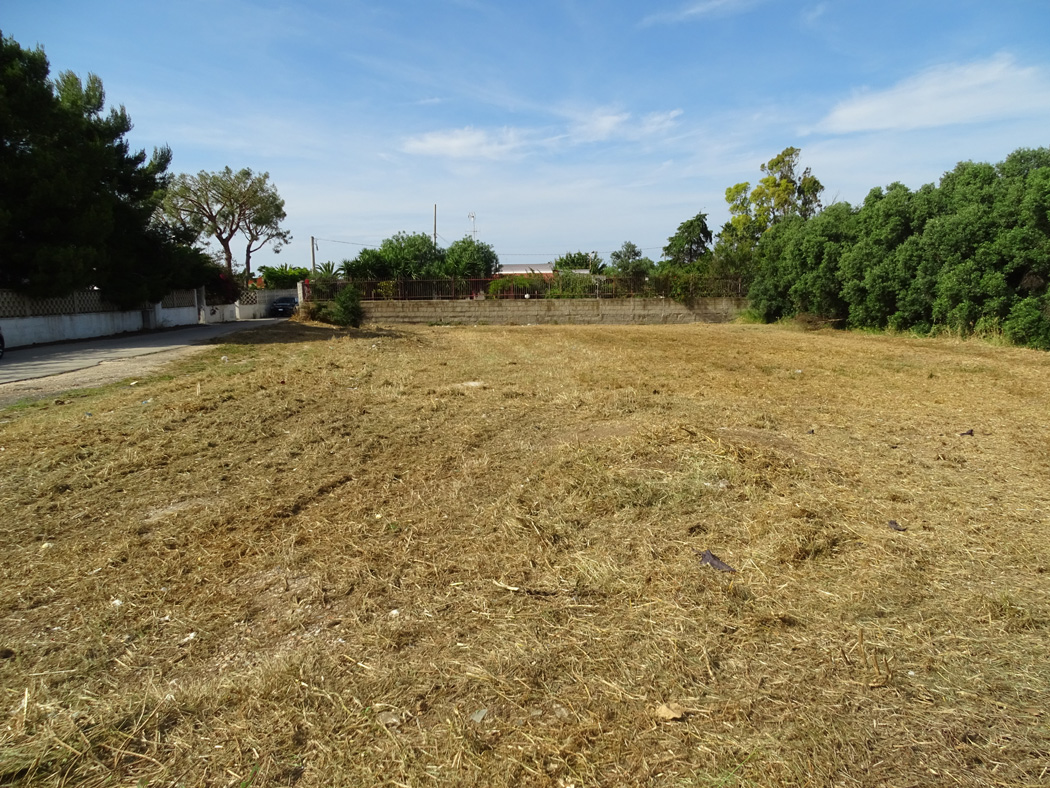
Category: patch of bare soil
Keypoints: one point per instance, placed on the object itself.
(533, 556)
(92, 377)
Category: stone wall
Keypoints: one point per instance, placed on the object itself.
(493, 311)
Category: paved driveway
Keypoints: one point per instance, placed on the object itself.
(42, 360)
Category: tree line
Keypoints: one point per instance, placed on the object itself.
(970, 255)
(80, 209)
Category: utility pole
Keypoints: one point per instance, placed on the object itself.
(313, 257)
(435, 225)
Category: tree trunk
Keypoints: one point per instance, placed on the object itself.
(228, 254)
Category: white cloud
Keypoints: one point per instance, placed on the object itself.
(598, 125)
(606, 124)
(467, 143)
(584, 127)
(945, 95)
(658, 122)
(698, 10)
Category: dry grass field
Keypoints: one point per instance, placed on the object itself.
(472, 556)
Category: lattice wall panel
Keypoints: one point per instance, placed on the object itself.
(40, 307)
(92, 301)
(179, 298)
(12, 304)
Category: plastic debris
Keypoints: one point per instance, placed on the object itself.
(708, 558)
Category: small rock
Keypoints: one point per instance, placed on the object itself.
(388, 719)
(479, 715)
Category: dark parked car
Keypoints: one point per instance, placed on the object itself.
(284, 306)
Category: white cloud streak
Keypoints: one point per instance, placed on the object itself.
(945, 95)
(699, 10)
(468, 143)
(584, 127)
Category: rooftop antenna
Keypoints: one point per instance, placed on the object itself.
(473, 224)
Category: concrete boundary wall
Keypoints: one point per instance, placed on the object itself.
(24, 331)
(189, 311)
(618, 311)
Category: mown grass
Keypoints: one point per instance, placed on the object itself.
(470, 556)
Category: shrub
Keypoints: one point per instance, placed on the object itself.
(343, 310)
(346, 308)
(517, 286)
(1029, 323)
(283, 277)
(222, 288)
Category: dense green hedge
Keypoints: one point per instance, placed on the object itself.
(969, 255)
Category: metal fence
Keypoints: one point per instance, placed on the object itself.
(557, 285)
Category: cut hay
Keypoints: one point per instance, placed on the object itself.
(476, 556)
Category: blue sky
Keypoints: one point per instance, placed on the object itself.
(563, 125)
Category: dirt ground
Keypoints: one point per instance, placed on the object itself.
(99, 375)
(549, 556)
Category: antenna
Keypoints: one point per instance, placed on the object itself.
(474, 226)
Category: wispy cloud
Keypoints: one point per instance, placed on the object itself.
(658, 123)
(698, 10)
(582, 127)
(468, 143)
(603, 124)
(945, 95)
(813, 14)
(597, 125)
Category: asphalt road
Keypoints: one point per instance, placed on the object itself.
(38, 361)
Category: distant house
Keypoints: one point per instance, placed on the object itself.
(519, 269)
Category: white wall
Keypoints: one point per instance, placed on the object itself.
(180, 316)
(22, 331)
(221, 313)
(53, 328)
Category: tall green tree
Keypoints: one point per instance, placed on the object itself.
(402, 256)
(469, 258)
(780, 194)
(628, 262)
(783, 192)
(690, 245)
(223, 205)
(77, 206)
